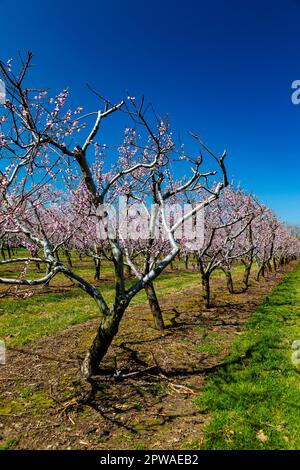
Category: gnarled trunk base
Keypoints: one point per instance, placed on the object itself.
(107, 330)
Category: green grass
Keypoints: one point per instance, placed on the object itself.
(211, 344)
(9, 444)
(253, 399)
(37, 400)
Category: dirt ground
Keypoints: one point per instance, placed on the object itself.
(151, 405)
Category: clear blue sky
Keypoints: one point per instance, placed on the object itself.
(220, 68)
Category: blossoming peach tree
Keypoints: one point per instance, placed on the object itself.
(51, 154)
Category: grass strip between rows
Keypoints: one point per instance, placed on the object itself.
(254, 398)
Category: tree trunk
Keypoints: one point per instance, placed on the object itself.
(97, 269)
(261, 272)
(229, 281)
(48, 269)
(155, 307)
(106, 332)
(269, 266)
(247, 275)
(206, 290)
(69, 259)
(3, 253)
(186, 262)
